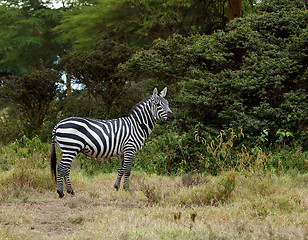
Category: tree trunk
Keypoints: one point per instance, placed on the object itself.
(68, 85)
(234, 9)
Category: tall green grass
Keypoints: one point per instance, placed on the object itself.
(24, 163)
(171, 153)
(24, 166)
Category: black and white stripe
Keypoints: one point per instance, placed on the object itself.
(122, 137)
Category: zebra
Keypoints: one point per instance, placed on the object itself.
(122, 137)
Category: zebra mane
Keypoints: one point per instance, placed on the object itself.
(140, 103)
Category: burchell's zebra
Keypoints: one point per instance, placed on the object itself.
(122, 137)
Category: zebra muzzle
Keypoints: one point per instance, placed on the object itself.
(170, 117)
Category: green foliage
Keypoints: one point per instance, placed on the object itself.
(25, 152)
(223, 152)
(167, 152)
(219, 152)
(239, 94)
(285, 159)
(93, 166)
(24, 166)
(172, 153)
(10, 125)
(138, 23)
(97, 69)
(87, 25)
(26, 37)
(250, 76)
(31, 94)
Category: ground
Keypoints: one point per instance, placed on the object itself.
(97, 211)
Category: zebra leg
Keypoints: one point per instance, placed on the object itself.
(69, 188)
(128, 162)
(120, 173)
(62, 169)
(61, 172)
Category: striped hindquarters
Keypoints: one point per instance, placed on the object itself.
(93, 137)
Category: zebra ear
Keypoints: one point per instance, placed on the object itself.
(163, 93)
(155, 94)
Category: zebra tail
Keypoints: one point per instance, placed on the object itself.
(53, 161)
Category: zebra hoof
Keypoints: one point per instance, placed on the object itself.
(61, 194)
(116, 187)
(71, 192)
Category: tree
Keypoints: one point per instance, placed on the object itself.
(234, 9)
(252, 75)
(97, 70)
(138, 23)
(26, 37)
(32, 94)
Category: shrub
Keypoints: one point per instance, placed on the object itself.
(31, 95)
(251, 75)
(93, 165)
(32, 153)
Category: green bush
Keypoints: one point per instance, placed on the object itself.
(252, 75)
(168, 152)
(25, 152)
(30, 96)
(10, 128)
(93, 166)
(239, 97)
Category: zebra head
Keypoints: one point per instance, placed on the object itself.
(160, 107)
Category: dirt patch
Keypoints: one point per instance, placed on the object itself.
(49, 217)
(55, 218)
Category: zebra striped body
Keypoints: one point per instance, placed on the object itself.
(122, 137)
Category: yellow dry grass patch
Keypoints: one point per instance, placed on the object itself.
(159, 207)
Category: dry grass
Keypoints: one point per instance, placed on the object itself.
(157, 207)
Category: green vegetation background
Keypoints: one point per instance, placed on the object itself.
(238, 89)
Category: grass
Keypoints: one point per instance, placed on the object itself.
(160, 207)
(232, 205)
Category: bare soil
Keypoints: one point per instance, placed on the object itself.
(50, 218)
(54, 218)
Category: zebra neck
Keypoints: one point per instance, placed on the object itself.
(144, 119)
